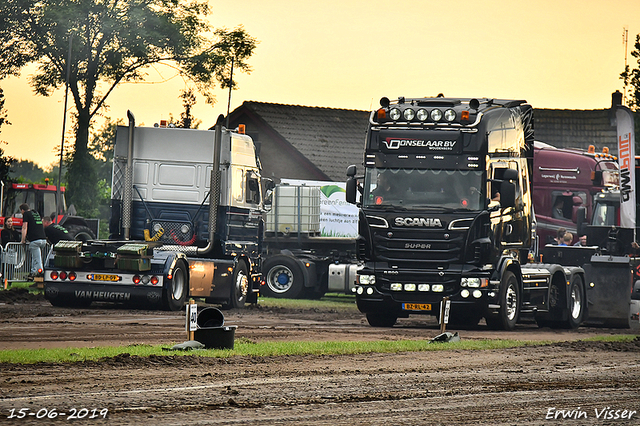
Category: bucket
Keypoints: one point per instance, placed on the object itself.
(212, 332)
(210, 317)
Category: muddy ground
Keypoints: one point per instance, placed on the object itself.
(586, 382)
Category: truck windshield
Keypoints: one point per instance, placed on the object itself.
(419, 188)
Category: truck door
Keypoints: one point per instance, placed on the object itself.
(510, 223)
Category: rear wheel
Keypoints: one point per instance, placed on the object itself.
(377, 319)
(175, 294)
(509, 299)
(80, 233)
(283, 278)
(576, 304)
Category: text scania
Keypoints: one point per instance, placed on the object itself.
(434, 145)
(418, 221)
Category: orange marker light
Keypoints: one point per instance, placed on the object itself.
(464, 116)
(382, 114)
(241, 129)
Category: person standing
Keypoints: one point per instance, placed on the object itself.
(33, 231)
(9, 233)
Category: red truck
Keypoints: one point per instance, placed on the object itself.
(563, 181)
(42, 198)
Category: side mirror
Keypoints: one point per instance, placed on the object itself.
(352, 170)
(581, 218)
(267, 197)
(351, 188)
(507, 194)
(510, 174)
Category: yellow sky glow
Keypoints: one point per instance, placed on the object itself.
(348, 54)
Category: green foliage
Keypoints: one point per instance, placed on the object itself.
(5, 161)
(111, 42)
(631, 78)
(27, 171)
(264, 349)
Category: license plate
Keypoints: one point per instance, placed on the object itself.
(416, 306)
(104, 277)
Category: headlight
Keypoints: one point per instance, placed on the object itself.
(409, 287)
(436, 114)
(367, 279)
(422, 114)
(409, 114)
(464, 293)
(470, 282)
(438, 288)
(477, 294)
(423, 287)
(396, 287)
(394, 114)
(449, 115)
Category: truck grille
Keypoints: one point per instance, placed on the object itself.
(417, 249)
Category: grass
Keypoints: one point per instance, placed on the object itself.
(265, 349)
(329, 301)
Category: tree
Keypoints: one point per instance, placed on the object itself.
(631, 77)
(112, 41)
(5, 161)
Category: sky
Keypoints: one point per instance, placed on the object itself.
(564, 54)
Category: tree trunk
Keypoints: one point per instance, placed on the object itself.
(82, 188)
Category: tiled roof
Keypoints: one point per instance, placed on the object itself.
(330, 138)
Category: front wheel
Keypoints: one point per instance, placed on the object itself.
(239, 287)
(509, 299)
(377, 319)
(175, 294)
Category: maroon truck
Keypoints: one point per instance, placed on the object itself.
(565, 180)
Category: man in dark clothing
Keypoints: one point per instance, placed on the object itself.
(54, 231)
(33, 231)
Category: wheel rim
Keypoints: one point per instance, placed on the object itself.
(576, 303)
(242, 285)
(280, 279)
(178, 284)
(511, 302)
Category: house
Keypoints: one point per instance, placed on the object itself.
(300, 142)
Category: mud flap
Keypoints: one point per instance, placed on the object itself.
(609, 284)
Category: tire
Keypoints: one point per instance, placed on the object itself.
(464, 317)
(175, 294)
(239, 287)
(377, 319)
(576, 311)
(509, 299)
(283, 279)
(80, 233)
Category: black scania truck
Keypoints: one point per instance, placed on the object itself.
(446, 211)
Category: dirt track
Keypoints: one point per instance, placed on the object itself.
(512, 386)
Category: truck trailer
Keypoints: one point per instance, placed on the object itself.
(186, 221)
(446, 211)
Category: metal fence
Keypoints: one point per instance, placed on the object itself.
(16, 261)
